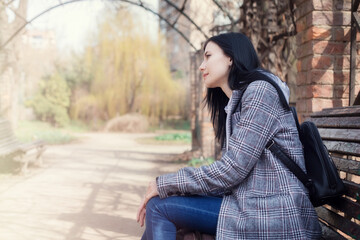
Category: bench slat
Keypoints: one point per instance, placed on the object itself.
(9, 146)
(353, 190)
(347, 165)
(28, 146)
(10, 151)
(337, 122)
(348, 148)
(348, 227)
(340, 112)
(352, 135)
(350, 208)
(4, 141)
(329, 234)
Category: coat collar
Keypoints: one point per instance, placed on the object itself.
(230, 109)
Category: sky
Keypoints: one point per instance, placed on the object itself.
(73, 22)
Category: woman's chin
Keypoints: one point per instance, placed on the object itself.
(209, 84)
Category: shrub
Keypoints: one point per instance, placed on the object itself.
(128, 123)
(197, 162)
(52, 101)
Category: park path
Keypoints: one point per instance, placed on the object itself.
(88, 190)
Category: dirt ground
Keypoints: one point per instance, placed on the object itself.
(88, 190)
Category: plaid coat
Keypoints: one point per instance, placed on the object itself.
(263, 199)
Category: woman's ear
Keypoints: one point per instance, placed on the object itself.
(230, 62)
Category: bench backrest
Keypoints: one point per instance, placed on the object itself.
(340, 131)
(8, 142)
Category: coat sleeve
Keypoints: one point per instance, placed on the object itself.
(257, 125)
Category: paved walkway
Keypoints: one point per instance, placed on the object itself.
(89, 190)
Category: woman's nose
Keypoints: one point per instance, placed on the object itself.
(202, 66)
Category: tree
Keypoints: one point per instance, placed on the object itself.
(10, 72)
(129, 73)
(52, 101)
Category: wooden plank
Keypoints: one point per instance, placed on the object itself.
(348, 148)
(350, 208)
(348, 227)
(31, 145)
(353, 190)
(337, 122)
(9, 145)
(337, 112)
(347, 165)
(340, 134)
(329, 234)
(6, 139)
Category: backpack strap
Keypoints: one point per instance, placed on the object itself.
(293, 110)
(290, 164)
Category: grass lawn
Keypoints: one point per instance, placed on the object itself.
(172, 138)
(28, 131)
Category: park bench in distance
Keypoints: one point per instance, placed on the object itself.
(13, 150)
(340, 130)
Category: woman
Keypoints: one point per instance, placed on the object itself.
(248, 193)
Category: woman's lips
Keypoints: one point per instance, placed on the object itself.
(204, 75)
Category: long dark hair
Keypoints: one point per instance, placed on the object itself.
(244, 69)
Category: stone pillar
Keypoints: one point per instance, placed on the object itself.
(323, 53)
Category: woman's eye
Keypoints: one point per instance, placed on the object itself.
(207, 55)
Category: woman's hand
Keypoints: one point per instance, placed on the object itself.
(151, 192)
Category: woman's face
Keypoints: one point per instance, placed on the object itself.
(216, 66)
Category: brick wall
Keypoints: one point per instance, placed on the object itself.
(323, 52)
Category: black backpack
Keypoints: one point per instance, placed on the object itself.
(321, 178)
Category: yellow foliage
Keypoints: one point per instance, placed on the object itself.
(130, 73)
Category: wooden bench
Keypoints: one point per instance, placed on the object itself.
(340, 131)
(11, 149)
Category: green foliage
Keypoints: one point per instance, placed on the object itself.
(197, 162)
(178, 124)
(178, 74)
(178, 138)
(27, 131)
(183, 137)
(52, 101)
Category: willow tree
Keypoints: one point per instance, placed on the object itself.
(130, 73)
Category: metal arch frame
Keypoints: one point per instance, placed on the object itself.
(139, 4)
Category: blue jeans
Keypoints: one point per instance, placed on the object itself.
(164, 216)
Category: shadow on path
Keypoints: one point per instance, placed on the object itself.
(88, 190)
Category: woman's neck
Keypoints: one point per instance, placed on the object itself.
(227, 90)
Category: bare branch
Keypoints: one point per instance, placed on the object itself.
(187, 17)
(8, 3)
(165, 20)
(224, 10)
(182, 9)
(276, 38)
(292, 13)
(16, 13)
